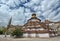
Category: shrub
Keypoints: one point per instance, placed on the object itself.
(17, 33)
(1, 32)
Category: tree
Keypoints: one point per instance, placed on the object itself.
(1, 32)
(17, 33)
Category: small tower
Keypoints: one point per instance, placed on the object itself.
(47, 21)
(33, 15)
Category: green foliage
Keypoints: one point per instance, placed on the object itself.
(1, 32)
(17, 33)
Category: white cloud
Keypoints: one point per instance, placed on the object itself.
(21, 10)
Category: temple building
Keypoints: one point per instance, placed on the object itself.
(35, 28)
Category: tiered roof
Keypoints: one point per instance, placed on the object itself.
(35, 23)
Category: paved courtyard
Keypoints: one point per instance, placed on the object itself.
(30, 39)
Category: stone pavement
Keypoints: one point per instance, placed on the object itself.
(30, 39)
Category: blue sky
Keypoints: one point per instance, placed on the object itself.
(21, 10)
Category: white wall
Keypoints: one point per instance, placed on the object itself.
(40, 29)
(2, 36)
(43, 35)
(34, 35)
(25, 35)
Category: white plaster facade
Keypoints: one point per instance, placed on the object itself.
(36, 35)
(43, 35)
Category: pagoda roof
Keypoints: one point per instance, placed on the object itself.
(34, 18)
